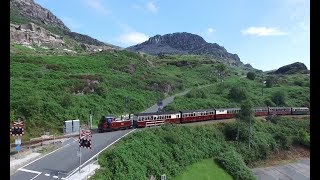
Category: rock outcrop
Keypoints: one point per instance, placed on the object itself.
(293, 68)
(185, 43)
(31, 34)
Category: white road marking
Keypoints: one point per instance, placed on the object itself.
(35, 176)
(47, 154)
(63, 178)
(55, 177)
(30, 171)
(72, 172)
(47, 174)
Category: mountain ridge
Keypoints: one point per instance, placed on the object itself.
(185, 43)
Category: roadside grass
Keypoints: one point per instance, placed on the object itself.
(206, 169)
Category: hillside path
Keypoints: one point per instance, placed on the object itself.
(170, 99)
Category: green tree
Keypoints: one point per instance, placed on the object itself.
(251, 75)
(238, 94)
(270, 81)
(246, 113)
(279, 98)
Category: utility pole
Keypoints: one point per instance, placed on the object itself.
(79, 151)
(249, 132)
(90, 119)
(126, 104)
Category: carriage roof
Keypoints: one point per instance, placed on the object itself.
(198, 110)
(157, 113)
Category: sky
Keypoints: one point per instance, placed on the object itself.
(267, 34)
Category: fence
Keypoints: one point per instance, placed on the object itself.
(154, 123)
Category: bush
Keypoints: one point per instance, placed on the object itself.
(270, 81)
(298, 82)
(231, 131)
(268, 102)
(279, 98)
(196, 93)
(284, 140)
(238, 94)
(251, 75)
(302, 138)
(233, 163)
(273, 118)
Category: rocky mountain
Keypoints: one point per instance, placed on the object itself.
(293, 68)
(29, 9)
(32, 24)
(185, 43)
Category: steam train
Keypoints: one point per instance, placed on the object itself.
(110, 123)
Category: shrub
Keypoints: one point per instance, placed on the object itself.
(298, 82)
(302, 138)
(268, 102)
(270, 81)
(233, 163)
(284, 140)
(238, 94)
(279, 98)
(196, 93)
(251, 75)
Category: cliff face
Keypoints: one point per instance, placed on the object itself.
(32, 24)
(31, 34)
(31, 10)
(185, 43)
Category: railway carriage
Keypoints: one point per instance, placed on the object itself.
(197, 115)
(280, 110)
(226, 113)
(157, 118)
(261, 111)
(300, 111)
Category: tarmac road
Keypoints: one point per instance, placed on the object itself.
(62, 162)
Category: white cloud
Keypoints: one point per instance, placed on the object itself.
(263, 31)
(150, 6)
(132, 38)
(97, 6)
(211, 30)
(71, 23)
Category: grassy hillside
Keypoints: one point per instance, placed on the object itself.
(296, 90)
(171, 149)
(48, 89)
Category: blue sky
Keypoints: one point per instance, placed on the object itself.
(265, 33)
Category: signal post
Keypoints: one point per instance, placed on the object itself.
(17, 130)
(85, 136)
